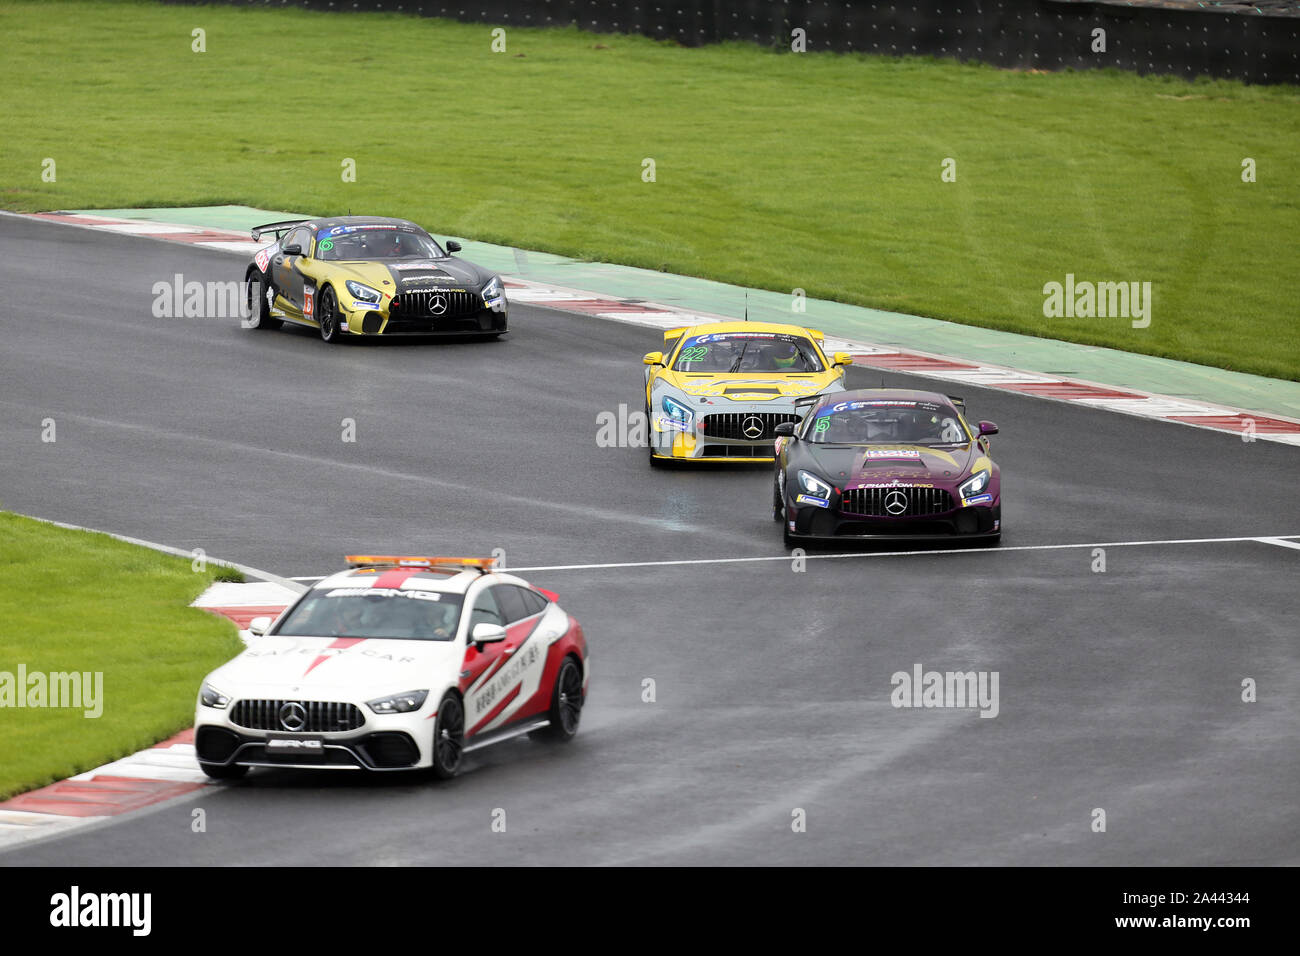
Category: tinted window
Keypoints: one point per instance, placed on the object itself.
(512, 605)
(885, 421)
(533, 601)
(747, 352)
(301, 236)
(485, 610)
(374, 612)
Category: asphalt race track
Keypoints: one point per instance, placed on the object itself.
(1118, 690)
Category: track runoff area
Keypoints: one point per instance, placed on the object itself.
(746, 705)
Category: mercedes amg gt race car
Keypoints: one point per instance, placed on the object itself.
(363, 275)
(719, 391)
(886, 463)
(398, 663)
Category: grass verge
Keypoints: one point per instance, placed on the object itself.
(815, 171)
(85, 602)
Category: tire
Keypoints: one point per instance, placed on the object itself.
(449, 737)
(327, 315)
(778, 506)
(219, 771)
(566, 704)
(259, 311)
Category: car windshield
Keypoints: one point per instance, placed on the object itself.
(887, 421)
(748, 352)
(374, 612)
(374, 242)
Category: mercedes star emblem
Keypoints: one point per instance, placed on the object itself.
(896, 502)
(293, 715)
(752, 427)
(438, 305)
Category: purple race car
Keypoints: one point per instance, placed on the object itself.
(886, 463)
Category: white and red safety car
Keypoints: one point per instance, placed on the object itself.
(398, 663)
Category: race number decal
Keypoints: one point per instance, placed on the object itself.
(308, 302)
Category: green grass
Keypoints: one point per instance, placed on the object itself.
(77, 601)
(774, 170)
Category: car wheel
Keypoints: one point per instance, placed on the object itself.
(448, 737)
(219, 771)
(327, 315)
(258, 302)
(566, 704)
(778, 507)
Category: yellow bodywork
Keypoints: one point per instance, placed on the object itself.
(723, 386)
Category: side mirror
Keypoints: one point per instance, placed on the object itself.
(842, 358)
(259, 626)
(988, 428)
(785, 428)
(453, 245)
(653, 358)
(485, 633)
(293, 249)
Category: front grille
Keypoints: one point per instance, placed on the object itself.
(322, 717)
(732, 425)
(872, 501)
(421, 304)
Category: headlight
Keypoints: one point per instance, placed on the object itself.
(974, 484)
(399, 703)
(362, 293)
(494, 294)
(679, 414)
(209, 696)
(814, 485)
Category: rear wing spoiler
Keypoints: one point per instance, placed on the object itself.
(958, 402)
(279, 228)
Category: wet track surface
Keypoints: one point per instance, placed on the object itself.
(1119, 690)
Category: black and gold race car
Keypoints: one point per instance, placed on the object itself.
(367, 275)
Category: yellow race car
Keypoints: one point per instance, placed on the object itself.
(718, 391)
(367, 275)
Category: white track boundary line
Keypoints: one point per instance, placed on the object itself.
(1280, 542)
(1278, 539)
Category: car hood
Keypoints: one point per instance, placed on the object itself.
(314, 666)
(411, 275)
(858, 466)
(754, 387)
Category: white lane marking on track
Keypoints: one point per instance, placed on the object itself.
(891, 554)
(1280, 542)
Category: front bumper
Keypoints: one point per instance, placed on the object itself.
(965, 524)
(381, 742)
(717, 433)
(380, 322)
